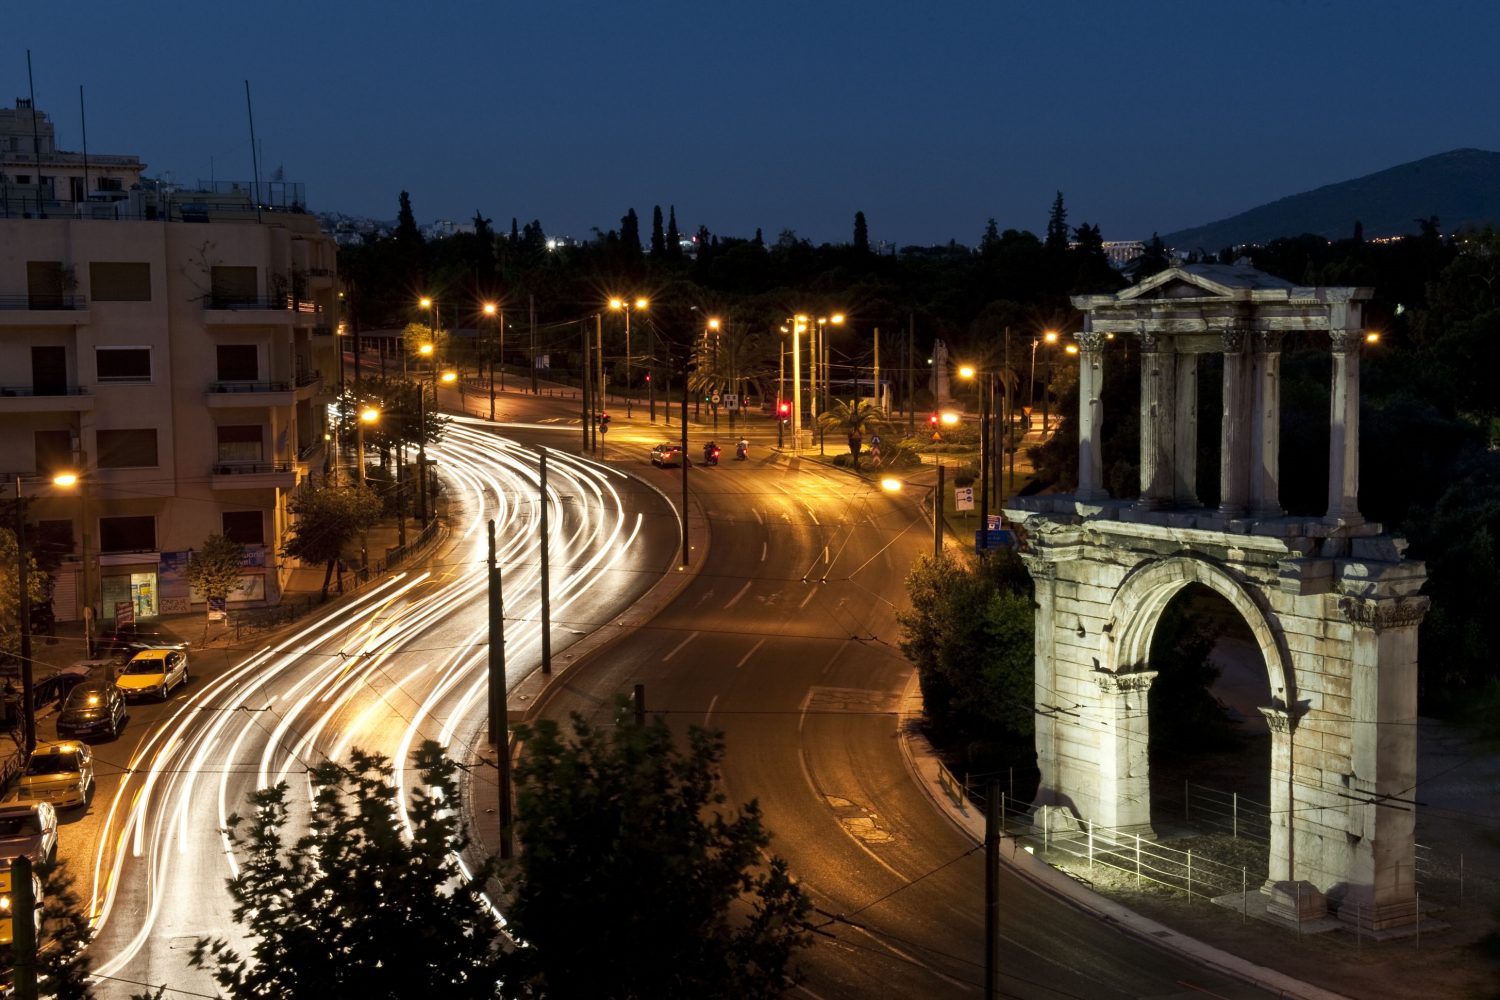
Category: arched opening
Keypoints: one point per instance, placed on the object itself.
(1210, 745)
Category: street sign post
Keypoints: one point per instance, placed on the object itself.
(732, 400)
(963, 498)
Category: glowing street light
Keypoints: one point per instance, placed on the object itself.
(368, 415)
(628, 306)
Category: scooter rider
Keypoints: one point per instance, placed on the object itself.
(742, 449)
(710, 453)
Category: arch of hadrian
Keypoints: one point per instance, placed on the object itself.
(1331, 602)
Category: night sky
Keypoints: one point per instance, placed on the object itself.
(929, 117)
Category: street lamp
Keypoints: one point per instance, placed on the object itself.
(1049, 337)
(628, 306)
(986, 438)
(799, 323)
(493, 309)
(368, 415)
(893, 485)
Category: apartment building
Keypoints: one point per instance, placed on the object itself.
(172, 353)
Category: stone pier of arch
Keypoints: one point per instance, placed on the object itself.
(1332, 604)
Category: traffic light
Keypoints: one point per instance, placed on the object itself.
(783, 409)
(933, 421)
(604, 423)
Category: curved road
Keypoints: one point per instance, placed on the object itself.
(401, 661)
(786, 640)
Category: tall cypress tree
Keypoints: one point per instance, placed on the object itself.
(407, 232)
(861, 234)
(630, 234)
(674, 238)
(658, 242)
(1057, 226)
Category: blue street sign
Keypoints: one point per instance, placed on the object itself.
(994, 540)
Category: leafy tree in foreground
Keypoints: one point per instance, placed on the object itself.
(10, 591)
(328, 519)
(214, 570)
(353, 907)
(632, 881)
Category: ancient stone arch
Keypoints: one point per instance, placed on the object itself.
(1330, 601)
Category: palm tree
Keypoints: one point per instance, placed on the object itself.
(855, 418)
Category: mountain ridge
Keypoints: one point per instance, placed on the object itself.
(1461, 187)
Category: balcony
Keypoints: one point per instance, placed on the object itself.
(253, 476)
(309, 384)
(28, 399)
(241, 310)
(231, 395)
(44, 310)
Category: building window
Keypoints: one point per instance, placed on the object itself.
(122, 364)
(109, 184)
(240, 443)
(238, 363)
(233, 285)
(127, 534)
(119, 281)
(245, 526)
(54, 451)
(127, 449)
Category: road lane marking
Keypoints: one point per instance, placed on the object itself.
(758, 518)
(745, 659)
(809, 597)
(684, 642)
(736, 598)
(711, 703)
(762, 551)
(813, 516)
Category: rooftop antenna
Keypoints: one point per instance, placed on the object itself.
(36, 138)
(83, 123)
(254, 160)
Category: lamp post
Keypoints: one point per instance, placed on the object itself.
(1048, 337)
(986, 441)
(68, 480)
(893, 485)
(368, 415)
(799, 323)
(28, 707)
(628, 306)
(493, 309)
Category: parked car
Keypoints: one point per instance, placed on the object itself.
(95, 706)
(28, 830)
(47, 686)
(124, 641)
(61, 773)
(666, 454)
(153, 671)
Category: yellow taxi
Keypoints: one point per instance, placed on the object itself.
(61, 773)
(153, 671)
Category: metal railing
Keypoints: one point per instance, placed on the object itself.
(307, 377)
(242, 302)
(250, 468)
(232, 387)
(31, 390)
(1226, 812)
(45, 303)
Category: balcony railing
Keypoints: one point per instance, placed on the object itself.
(308, 377)
(250, 387)
(31, 390)
(67, 301)
(308, 450)
(250, 468)
(273, 302)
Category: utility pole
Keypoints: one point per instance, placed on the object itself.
(1010, 418)
(531, 304)
(546, 575)
(875, 377)
(651, 367)
(583, 333)
(499, 723)
(422, 452)
(937, 515)
(28, 690)
(911, 362)
(992, 891)
(600, 386)
(23, 927)
(685, 463)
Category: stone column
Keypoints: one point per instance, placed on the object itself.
(1185, 447)
(1381, 889)
(1124, 758)
(1343, 429)
(1044, 587)
(1281, 863)
(1090, 414)
(1158, 414)
(1265, 431)
(1234, 429)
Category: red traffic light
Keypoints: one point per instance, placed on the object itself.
(933, 420)
(784, 408)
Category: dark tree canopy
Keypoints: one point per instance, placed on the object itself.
(1057, 226)
(658, 238)
(861, 233)
(620, 821)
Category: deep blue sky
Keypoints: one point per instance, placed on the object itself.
(928, 116)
